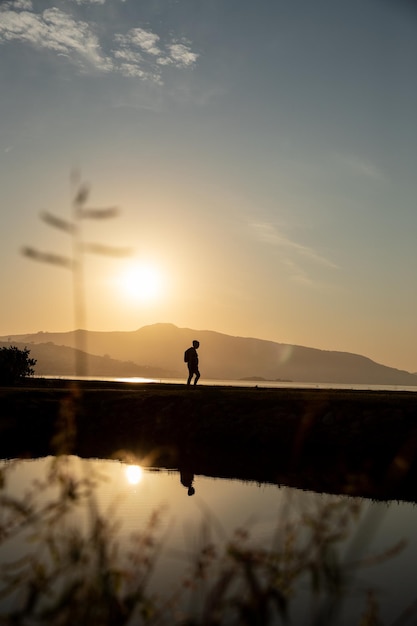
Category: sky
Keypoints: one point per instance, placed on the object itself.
(262, 157)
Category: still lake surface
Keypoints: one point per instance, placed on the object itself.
(267, 384)
(212, 515)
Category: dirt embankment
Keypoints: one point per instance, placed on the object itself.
(356, 442)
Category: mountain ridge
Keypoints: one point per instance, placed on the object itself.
(160, 348)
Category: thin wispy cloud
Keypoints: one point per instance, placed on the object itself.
(297, 273)
(360, 166)
(295, 257)
(268, 233)
(138, 53)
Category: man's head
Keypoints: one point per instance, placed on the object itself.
(196, 343)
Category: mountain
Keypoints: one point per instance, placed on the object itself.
(53, 360)
(160, 347)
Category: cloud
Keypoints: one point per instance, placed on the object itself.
(292, 253)
(55, 31)
(268, 233)
(361, 167)
(140, 38)
(182, 55)
(90, 1)
(26, 5)
(138, 53)
(142, 49)
(297, 273)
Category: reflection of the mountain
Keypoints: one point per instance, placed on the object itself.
(320, 481)
(268, 470)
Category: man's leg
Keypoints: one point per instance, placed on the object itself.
(197, 376)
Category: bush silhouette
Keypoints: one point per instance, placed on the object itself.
(15, 365)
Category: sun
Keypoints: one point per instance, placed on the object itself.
(133, 474)
(141, 282)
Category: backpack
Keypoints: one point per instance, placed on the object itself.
(187, 355)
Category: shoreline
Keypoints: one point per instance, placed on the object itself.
(355, 442)
(235, 383)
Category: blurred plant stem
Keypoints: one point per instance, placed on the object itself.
(78, 277)
(75, 262)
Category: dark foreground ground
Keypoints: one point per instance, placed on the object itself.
(356, 442)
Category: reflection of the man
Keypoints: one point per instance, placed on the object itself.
(187, 478)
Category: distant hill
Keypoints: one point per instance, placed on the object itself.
(53, 360)
(160, 347)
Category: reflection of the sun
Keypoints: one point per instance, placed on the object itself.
(134, 474)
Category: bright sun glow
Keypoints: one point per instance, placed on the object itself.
(141, 282)
(133, 474)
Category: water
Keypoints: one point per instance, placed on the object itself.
(210, 517)
(242, 383)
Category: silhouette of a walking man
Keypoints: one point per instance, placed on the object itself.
(191, 358)
(187, 479)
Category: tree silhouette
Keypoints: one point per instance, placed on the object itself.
(15, 365)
